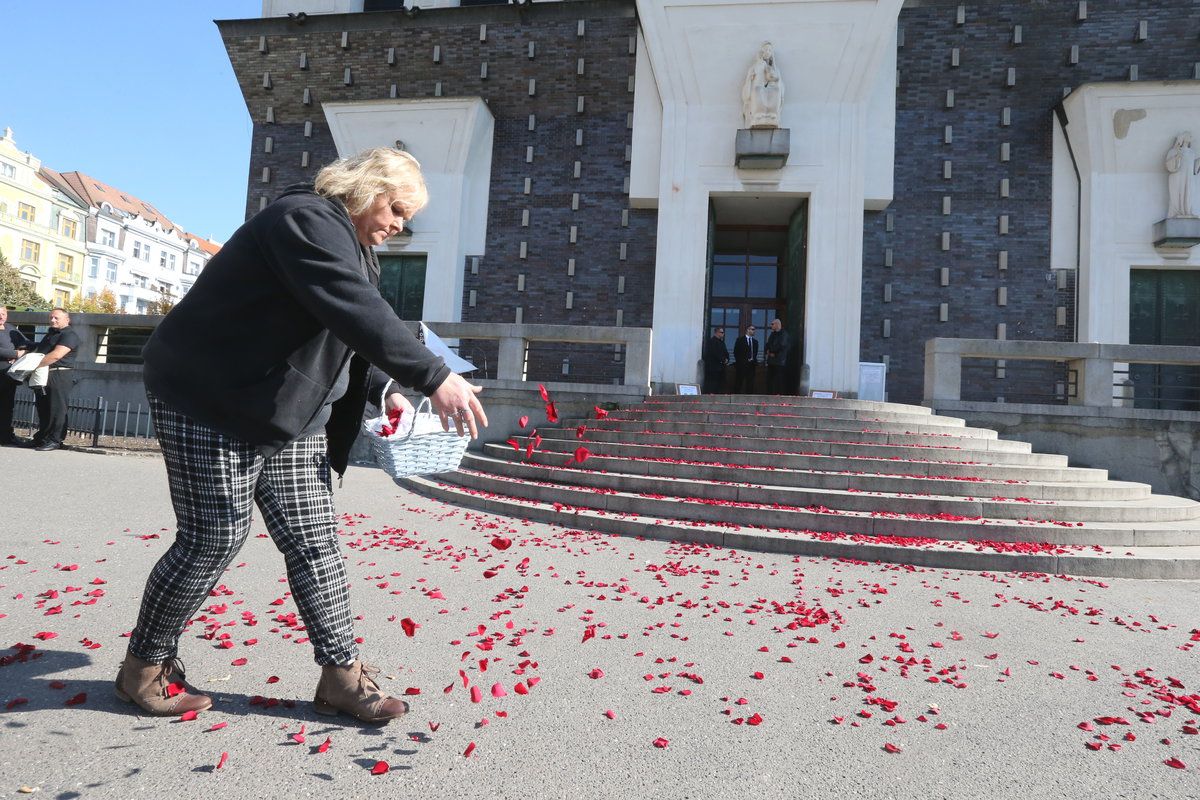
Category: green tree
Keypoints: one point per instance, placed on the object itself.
(164, 303)
(16, 293)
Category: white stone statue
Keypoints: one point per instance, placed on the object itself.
(1181, 164)
(762, 92)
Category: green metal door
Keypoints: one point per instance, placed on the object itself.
(402, 283)
(1164, 308)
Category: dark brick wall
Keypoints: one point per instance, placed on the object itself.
(605, 86)
(1107, 48)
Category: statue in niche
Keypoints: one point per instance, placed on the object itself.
(762, 92)
(1182, 164)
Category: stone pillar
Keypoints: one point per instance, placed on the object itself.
(511, 366)
(943, 373)
(1093, 382)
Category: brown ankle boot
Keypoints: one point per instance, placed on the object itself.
(158, 689)
(353, 689)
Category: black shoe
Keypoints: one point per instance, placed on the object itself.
(14, 441)
(47, 446)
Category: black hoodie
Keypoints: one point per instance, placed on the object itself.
(257, 347)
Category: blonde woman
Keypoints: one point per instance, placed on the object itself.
(257, 381)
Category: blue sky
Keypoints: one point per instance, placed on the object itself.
(136, 93)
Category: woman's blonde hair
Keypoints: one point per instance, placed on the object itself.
(358, 180)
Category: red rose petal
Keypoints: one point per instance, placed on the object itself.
(498, 691)
(476, 694)
(470, 749)
(410, 627)
(600, 412)
(1175, 763)
(610, 714)
(45, 635)
(188, 716)
(380, 768)
(501, 542)
(661, 743)
(78, 699)
(216, 726)
(221, 761)
(891, 748)
(523, 421)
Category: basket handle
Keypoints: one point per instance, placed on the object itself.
(423, 407)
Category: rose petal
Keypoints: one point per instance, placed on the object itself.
(221, 761)
(380, 768)
(476, 694)
(188, 716)
(661, 743)
(470, 749)
(891, 748)
(523, 421)
(501, 542)
(410, 627)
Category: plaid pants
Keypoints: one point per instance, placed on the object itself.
(215, 480)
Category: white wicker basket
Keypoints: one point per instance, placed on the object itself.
(426, 448)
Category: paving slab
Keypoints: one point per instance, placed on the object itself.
(979, 681)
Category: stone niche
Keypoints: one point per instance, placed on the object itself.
(762, 148)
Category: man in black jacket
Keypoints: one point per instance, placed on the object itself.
(58, 347)
(716, 356)
(12, 344)
(745, 359)
(257, 382)
(778, 345)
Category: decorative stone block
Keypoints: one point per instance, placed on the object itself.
(308, 129)
(347, 77)
(262, 44)
(483, 69)
(1006, 116)
(943, 312)
(1016, 34)
(532, 122)
(529, 154)
(1003, 224)
(889, 221)
(474, 265)
(519, 317)
(948, 135)
(1002, 296)
(624, 251)
(266, 174)
(1002, 260)
(579, 104)
(573, 234)
(1060, 316)
(625, 218)
(472, 296)
(528, 185)
(579, 137)
(762, 148)
(886, 333)
(270, 117)
(437, 54)
(1060, 282)
(345, 40)
(960, 15)
(1081, 11)
(437, 89)
(1143, 30)
(1004, 187)
(268, 144)
(532, 50)
(579, 67)
(483, 33)
(1177, 234)
(1011, 79)
(304, 159)
(578, 168)
(532, 86)
(266, 82)
(887, 293)
(1133, 72)
(570, 266)
(949, 98)
(1073, 58)
(944, 276)
(887, 256)
(304, 60)
(525, 218)
(575, 201)
(620, 284)
(620, 318)
(524, 251)
(262, 202)
(1005, 151)
(954, 57)
(947, 170)
(945, 240)
(946, 205)
(391, 56)
(1002, 331)
(521, 282)
(570, 304)
(581, 28)
(306, 96)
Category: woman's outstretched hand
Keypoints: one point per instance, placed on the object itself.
(456, 400)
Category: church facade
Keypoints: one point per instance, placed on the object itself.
(874, 173)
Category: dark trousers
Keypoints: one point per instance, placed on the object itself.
(714, 381)
(8, 396)
(51, 401)
(743, 381)
(777, 378)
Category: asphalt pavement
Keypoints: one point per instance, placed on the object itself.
(605, 666)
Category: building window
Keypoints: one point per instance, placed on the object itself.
(141, 281)
(70, 228)
(171, 262)
(66, 263)
(61, 297)
(31, 252)
(94, 267)
(26, 212)
(124, 302)
(108, 238)
(193, 268)
(7, 170)
(141, 306)
(138, 249)
(110, 271)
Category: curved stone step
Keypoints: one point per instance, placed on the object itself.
(962, 486)
(790, 419)
(850, 452)
(936, 524)
(721, 465)
(848, 427)
(1181, 562)
(796, 441)
(766, 401)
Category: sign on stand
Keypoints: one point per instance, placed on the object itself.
(872, 381)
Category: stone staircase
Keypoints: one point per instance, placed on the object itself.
(839, 478)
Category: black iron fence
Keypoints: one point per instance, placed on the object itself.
(93, 420)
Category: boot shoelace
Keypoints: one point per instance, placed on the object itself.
(169, 668)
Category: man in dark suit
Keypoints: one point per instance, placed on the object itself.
(745, 357)
(12, 344)
(716, 356)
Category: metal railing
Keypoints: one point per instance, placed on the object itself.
(1099, 375)
(92, 420)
